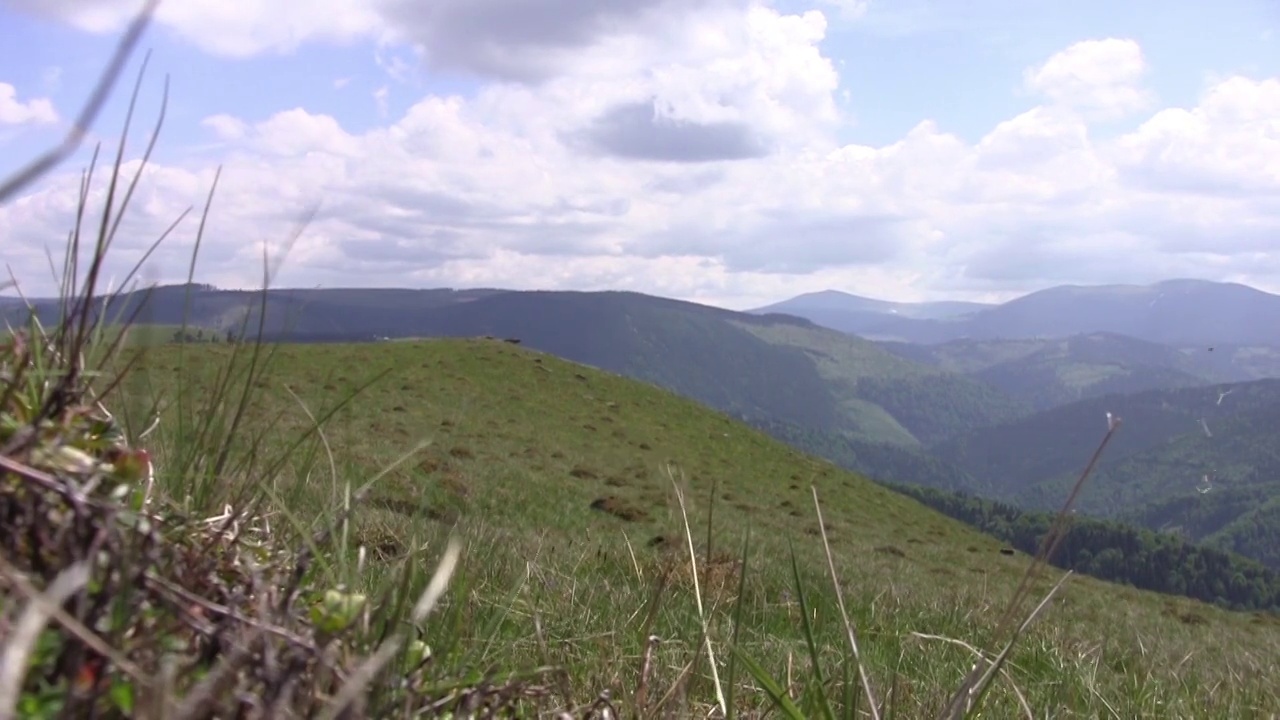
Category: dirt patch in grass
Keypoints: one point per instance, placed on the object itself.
(1184, 616)
(453, 484)
(620, 508)
(583, 473)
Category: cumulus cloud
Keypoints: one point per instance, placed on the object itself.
(1227, 145)
(518, 40)
(1099, 77)
(641, 131)
(694, 154)
(225, 126)
(16, 112)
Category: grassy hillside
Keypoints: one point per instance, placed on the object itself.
(557, 476)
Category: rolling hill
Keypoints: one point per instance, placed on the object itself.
(1010, 459)
(1202, 462)
(1221, 488)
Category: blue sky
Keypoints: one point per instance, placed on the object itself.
(469, 144)
(962, 62)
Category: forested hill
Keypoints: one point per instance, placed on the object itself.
(1111, 551)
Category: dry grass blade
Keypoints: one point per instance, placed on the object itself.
(40, 607)
(979, 688)
(75, 627)
(80, 128)
(697, 592)
(970, 688)
(850, 630)
(981, 656)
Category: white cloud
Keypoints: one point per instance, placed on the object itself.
(1099, 77)
(15, 112)
(225, 126)
(699, 160)
(1229, 143)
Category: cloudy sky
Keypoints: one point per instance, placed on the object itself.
(733, 152)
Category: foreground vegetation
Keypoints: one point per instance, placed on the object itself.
(248, 530)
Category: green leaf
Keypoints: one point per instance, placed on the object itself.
(121, 694)
(769, 685)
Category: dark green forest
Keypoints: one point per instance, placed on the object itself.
(1113, 551)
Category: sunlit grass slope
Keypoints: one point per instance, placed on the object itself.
(562, 480)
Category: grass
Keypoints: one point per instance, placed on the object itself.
(559, 479)
(251, 530)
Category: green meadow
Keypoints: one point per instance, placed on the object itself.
(567, 484)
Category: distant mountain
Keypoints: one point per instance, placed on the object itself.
(834, 300)
(1048, 372)
(864, 316)
(1174, 312)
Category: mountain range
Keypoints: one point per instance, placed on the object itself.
(1174, 312)
(1000, 401)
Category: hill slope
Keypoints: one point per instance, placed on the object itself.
(1221, 488)
(1010, 459)
(557, 475)
(491, 405)
(1199, 461)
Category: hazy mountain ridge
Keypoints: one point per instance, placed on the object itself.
(1178, 312)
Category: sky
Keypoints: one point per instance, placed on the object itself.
(729, 152)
